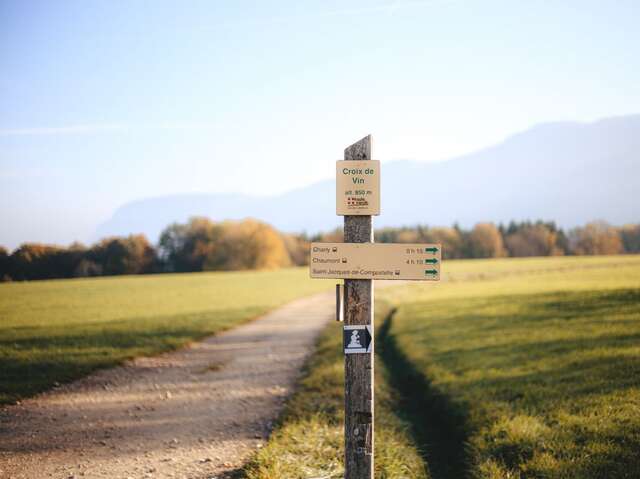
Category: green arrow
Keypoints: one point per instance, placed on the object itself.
(432, 260)
(430, 271)
(432, 249)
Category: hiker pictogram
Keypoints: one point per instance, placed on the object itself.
(357, 339)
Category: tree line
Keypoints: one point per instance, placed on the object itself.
(519, 239)
(204, 245)
(198, 245)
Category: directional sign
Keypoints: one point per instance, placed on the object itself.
(358, 187)
(357, 339)
(375, 261)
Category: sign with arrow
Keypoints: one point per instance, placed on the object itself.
(357, 338)
(376, 261)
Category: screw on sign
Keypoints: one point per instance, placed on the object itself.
(359, 261)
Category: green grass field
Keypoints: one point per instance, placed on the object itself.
(525, 368)
(514, 368)
(57, 331)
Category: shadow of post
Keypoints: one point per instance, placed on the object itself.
(438, 425)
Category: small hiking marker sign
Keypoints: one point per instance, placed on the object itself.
(357, 339)
(357, 187)
(359, 261)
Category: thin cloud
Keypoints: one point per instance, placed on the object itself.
(64, 130)
(104, 128)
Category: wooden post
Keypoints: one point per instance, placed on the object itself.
(358, 368)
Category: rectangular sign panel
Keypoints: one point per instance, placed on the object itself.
(375, 261)
(358, 187)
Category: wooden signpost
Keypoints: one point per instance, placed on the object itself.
(358, 368)
(359, 261)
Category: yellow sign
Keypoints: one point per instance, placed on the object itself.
(375, 261)
(358, 187)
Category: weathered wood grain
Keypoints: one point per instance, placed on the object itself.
(358, 302)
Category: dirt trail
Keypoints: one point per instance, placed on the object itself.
(193, 413)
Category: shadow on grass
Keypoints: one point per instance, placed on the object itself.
(566, 361)
(438, 425)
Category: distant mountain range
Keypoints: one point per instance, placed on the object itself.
(568, 172)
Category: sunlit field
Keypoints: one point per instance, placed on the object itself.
(511, 368)
(56, 331)
(525, 368)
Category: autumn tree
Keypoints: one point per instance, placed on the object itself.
(40, 261)
(485, 241)
(187, 247)
(407, 236)
(123, 255)
(595, 238)
(248, 244)
(403, 234)
(298, 248)
(28, 260)
(533, 240)
(202, 245)
(334, 236)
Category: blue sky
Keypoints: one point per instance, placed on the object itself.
(106, 102)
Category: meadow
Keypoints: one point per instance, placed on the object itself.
(508, 368)
(530, 371)
(58, 330)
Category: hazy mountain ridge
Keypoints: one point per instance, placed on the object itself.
(568, 172)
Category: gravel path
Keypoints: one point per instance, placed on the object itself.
(193, 413)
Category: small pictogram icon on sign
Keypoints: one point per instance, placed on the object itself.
(357, 339)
